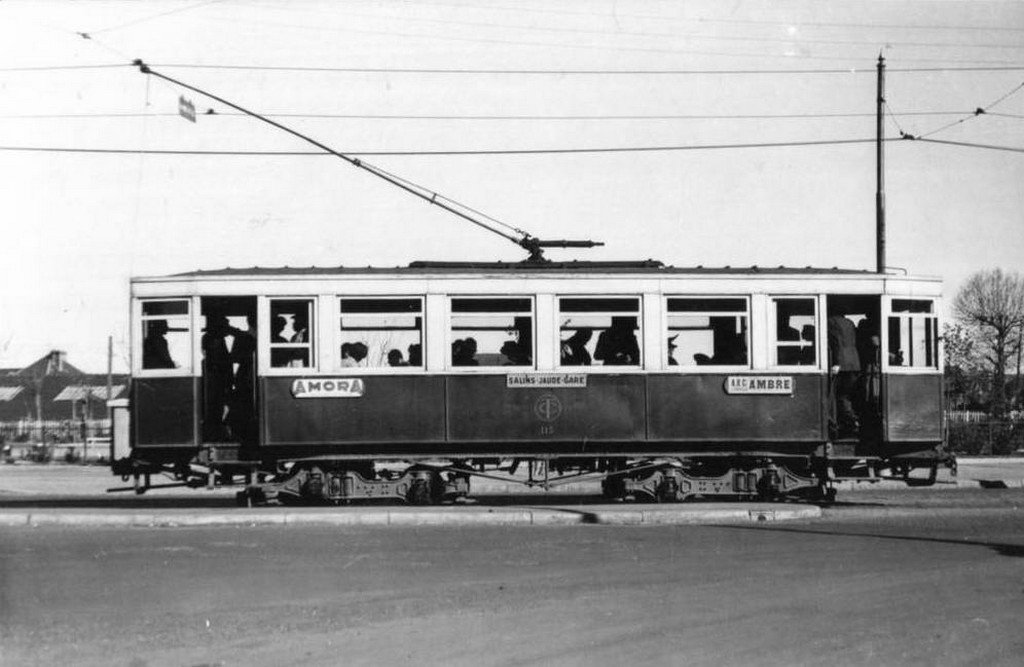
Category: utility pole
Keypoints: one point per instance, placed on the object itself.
(880, 169)
(110, 373)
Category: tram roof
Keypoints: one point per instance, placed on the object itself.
(650, 267)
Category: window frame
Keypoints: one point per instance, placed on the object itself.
(188, 365)
(772, 335)
(640, 366)
(887, 314)
(313, 343)
(450, 338)
(709, 368)
(379, 370)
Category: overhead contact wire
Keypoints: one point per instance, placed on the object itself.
(980, 111)
(524, 151)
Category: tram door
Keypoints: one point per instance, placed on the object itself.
(854, 348)
(228, 410)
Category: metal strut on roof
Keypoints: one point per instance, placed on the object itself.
(526, 241)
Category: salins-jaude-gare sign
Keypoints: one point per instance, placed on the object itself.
(759, 384)
(544, 380)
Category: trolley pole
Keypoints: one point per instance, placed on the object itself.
(880, 170)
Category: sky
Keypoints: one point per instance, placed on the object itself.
(556, 76)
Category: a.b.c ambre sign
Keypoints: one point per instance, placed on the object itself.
(328, 388)
(759, 384)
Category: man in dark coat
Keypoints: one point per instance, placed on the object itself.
(844, 365)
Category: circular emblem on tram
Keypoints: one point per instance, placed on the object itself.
(547, 408)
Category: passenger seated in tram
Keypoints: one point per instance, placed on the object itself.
(464, 352)
(807, 338)
(519, 352)
(617, 346)
(415, 355)
(155, 353)
(395, 358)
(353, 353)
(277, 330)
(301, 327)
(730, 346)
(574, 348)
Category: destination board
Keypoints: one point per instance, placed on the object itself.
(759, 384)
(545, 380)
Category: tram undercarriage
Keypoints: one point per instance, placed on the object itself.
(661, 479)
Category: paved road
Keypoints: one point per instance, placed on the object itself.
(895, 578)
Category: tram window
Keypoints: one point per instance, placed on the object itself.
(707, 331)
(795, 338)
(381, 332)
(491, 331)
(599, 331)
(166, 335)
(291, 331)
(913, 334)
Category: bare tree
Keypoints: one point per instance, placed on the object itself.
(992, 304)
(968, 375)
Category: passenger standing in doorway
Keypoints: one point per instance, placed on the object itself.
(844, 364)
(242, 408)
(218, 377)
(869, 347)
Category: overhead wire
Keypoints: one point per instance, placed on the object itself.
(152, 17)
(528, 151)
(556, 45)
(980, 111)
(970, 145)
(615, 14)
(505, 71)
(581, 72)
(211, 113)
(45, 68)
(619, 32)
(410, 153)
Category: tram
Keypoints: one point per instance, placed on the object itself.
(662, 383)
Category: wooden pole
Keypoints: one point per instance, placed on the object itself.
(110, 375)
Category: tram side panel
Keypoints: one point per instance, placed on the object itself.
(165, 412)
(913, 409)
(484, 408)
(417, 413)
(698, 408)
(381, 409)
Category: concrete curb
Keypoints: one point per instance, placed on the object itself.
(534, 516)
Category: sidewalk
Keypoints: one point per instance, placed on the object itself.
(408, 516)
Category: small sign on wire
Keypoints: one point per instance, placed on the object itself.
(186, 108)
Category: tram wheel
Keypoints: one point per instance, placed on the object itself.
(613, 488)
(419, 493)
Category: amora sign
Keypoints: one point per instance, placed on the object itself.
(328, 388)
